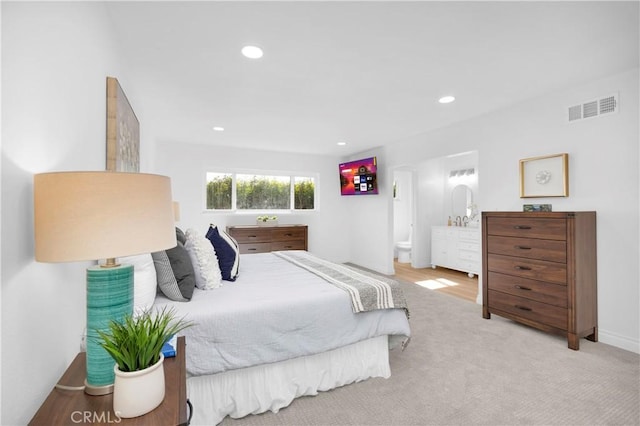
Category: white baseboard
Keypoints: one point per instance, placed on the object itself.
(618, 341)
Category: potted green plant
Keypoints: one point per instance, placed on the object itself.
(135, 343)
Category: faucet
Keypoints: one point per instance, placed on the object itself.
(465, 221)
(458, 221)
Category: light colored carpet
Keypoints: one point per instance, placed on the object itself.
(461, 369)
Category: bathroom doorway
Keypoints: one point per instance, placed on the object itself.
(403, 215)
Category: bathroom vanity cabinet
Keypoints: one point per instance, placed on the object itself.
(456, 247)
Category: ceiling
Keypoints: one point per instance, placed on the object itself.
(368, 73)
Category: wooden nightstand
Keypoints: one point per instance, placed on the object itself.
(73, 407)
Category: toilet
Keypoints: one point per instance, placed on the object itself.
(404, 249)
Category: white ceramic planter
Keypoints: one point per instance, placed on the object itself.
(137, 392)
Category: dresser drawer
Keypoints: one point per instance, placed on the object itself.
(529, 309)
(254, 248)
(553, 294)
(255, 235)
(263, 239)
(287, 245)
(551, 250)
(286, 234)
(528, 268)
(528, 227)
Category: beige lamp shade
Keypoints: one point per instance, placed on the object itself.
(100, 215)
(176, 211)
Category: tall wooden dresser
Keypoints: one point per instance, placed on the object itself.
(539, 268)
(262, 239)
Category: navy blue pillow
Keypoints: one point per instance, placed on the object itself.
(227, 251)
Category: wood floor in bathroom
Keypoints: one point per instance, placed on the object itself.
(443, 280)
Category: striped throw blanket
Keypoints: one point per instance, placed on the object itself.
(368, 291)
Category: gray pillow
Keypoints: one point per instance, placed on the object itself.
(174, 271)
(182, 269)
(167, 282)
(180, 236)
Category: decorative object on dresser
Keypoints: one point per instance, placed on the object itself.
(456, 247)
(536, 208)
(267, 220)
(70, 209)
(262, 239)
(539, 268)
(64, 406)
(123, 131)
(546, 176)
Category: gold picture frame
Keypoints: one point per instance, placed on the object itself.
(546, 176)
(123, 131)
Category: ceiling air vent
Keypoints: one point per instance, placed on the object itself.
(593, 108)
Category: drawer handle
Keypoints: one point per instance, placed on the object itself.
(522, 247)
(288, 246)
(522, 227)
(252, 236)
(252, 249)
(524, 308)
(519, 287)
(522, 268)
(288, 235)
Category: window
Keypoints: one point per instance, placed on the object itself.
(257, 191)
(219, 190)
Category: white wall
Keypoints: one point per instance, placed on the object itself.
(370, 235)
(603, 175)
(187, 165)
(55, 60)
(430, 209)
(402, 205)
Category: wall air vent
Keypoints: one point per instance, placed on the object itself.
(593, 108)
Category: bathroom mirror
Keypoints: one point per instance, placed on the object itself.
(461, 199)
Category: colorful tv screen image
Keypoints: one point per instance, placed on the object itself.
(359, 177)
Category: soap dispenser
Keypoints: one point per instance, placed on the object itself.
(449, 221)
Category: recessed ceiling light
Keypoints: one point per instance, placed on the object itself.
(218, 129)
(252, 52)
(446, 99)
(341, 143)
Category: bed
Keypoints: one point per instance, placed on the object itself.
(281, 331)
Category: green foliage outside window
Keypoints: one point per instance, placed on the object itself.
(219, 191)
(304, 194)
(263, 192)
(258, 192)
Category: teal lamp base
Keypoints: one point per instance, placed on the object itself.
(109, 297)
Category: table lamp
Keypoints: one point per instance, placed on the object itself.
(176, 211)
(80, 216)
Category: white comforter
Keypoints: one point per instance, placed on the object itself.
(274, 311)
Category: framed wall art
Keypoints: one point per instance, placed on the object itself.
(123, 131)
(546, 176)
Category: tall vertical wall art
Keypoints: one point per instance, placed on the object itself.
(123, 131)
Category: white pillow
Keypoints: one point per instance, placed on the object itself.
(144, 280)
(204, 260)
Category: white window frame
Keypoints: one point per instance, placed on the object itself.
(235, 172)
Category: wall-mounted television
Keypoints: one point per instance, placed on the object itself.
(359, 177)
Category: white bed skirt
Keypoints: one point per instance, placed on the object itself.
(254, 390)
